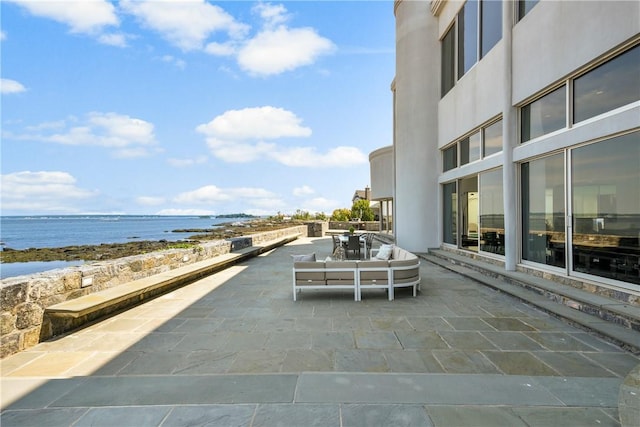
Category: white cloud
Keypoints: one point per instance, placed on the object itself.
(274, 51)
(212, 195)
(82, 16)
(184, 23)
(255, 123)
(43, 191)
(271, 14)
(203, 195)
(309, 157)
(236, 136)
(3, 35)
(127, 136)
(113, 39)
(305, 190)
(181, 163)
(8, 86)
(150, 201)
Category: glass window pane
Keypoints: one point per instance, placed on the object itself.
(450, 158)
(464, 151)
(606, 208)
(493, 139)
(544, 115)
(467, 37)
(524, 6)
(448, 49)
(450, 213)
(543, 213)
(469, 212)
(474, 147)
(491, 212)
(491, 25)
(611, 85)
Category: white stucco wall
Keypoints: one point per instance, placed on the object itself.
(417, 86)
(558, 37)
(382, 169)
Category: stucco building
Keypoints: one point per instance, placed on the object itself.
(517, 135)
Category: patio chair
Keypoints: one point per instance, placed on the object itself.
(353, 247)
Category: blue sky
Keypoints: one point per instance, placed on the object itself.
(192, 106)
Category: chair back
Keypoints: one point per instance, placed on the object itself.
(353, 243)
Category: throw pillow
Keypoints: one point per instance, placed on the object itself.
(304, 258)
(384, 253)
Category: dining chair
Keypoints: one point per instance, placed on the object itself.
(353, 246)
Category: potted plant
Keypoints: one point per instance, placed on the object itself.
(351, 230)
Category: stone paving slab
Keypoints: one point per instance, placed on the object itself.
(235, 349)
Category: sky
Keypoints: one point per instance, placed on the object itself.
(192, 107)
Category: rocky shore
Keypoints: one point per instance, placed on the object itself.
(119, 250)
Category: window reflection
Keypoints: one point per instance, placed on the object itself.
(467, 37)
(493, 139)
(491, 212)
(543, 213)
(470, 149)
(609, 86)
(447, 53)
(450, 158)
(544, 115)
(606, 208)
(450, 213)
(491, 25)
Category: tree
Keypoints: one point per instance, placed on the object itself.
(362, 210)
(342, 214)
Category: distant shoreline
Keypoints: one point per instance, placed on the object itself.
(107, 251)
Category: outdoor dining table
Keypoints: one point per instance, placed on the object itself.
(344, 239)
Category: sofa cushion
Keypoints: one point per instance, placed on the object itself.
(336, 277)
(309, 277)
(378, 277)
(385, 252)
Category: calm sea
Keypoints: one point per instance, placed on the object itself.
(22, 232)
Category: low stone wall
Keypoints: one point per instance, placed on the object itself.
(358, 225)
(23, 299)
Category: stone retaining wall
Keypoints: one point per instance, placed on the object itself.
(23, 299)
(358, 225)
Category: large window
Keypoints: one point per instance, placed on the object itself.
(491, 25)
(605, 180)
(491, 212)
(544, 115)
(543, 212)
(448, 52)
(476, 29)
(609, 86)
(467, 37)
(483, 142)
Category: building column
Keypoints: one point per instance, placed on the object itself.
(416, 154)
(509, 141)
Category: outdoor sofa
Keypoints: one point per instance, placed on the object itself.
(390, 267)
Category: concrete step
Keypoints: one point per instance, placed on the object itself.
(611, 319)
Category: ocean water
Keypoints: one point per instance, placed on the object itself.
(23, 232)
